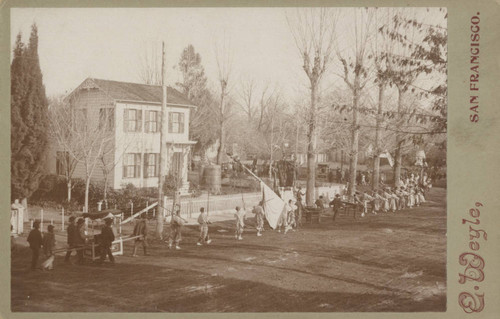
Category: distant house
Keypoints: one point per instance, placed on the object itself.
(133, 118)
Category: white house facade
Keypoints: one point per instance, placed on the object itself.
(132, 112)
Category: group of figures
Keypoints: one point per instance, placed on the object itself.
(77, 238)
(408, 194)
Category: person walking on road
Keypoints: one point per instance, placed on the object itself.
(240, 222)
(176, 224)
(107, 238)
(203, 221)
(141, 229)
(259, 218)
(71, 231)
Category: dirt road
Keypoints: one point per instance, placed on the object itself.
(388, 262)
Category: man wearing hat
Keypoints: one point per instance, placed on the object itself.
(107, 237)
(336, 203)
(71, 238)
(35, 241)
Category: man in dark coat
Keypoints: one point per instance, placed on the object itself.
(79, 239)
(35, 241)
(107, 237)
(336, 204)
(141, 229)
(319, 204)
(71, 238)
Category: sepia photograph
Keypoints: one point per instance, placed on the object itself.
(228, 159)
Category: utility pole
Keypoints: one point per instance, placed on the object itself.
(163, 147)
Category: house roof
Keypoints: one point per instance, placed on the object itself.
(136, 92)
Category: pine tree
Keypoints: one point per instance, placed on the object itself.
(194, 86)
(29, 137)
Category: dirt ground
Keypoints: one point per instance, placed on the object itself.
(392, 262)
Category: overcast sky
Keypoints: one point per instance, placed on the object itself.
(108, 43)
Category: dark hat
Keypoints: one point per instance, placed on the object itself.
(80, 221)
(72, 218)
(337, 195)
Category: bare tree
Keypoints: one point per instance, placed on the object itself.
(247, 98)
(61, 127)
(150, 69)
(223, 56)
(379, 46)
(90, 137)
(314, 33)
(356, 75)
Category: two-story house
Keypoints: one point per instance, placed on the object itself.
(133, 116)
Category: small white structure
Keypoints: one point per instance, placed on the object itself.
(17, 218)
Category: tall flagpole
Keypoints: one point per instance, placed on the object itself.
(163, 147)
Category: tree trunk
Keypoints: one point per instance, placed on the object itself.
(105, 195)
(220, 150)
(353, 163)
(272, 148)
(222, 132)
(398, 155)
(376, 158)
(341, 160)
(68, 184)
(87, 186)
(311, 149)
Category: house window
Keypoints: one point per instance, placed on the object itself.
(151, 164)
(132, 120)
(107, 119)
(151, 122)
(62, 159)
(132, 165)
(176, 122)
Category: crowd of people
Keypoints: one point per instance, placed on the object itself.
(409, 193)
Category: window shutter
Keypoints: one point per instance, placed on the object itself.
(139, 120)
(138, 163)
(125, 120)
(146, 159)
(181, 122)
(146, 121)
(170, 122)
(125, 166)
(158, 121)
(157, 168)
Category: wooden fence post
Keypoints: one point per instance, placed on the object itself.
(62, 219)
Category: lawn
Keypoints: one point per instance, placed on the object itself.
(389, 262)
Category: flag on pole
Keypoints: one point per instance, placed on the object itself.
(273, 205)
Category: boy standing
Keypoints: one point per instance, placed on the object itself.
(175, 228)
(141, 229)
(107, 237)
(259, 216)
(203, 221)
(240, 222)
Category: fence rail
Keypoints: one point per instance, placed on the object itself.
(192, 206)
